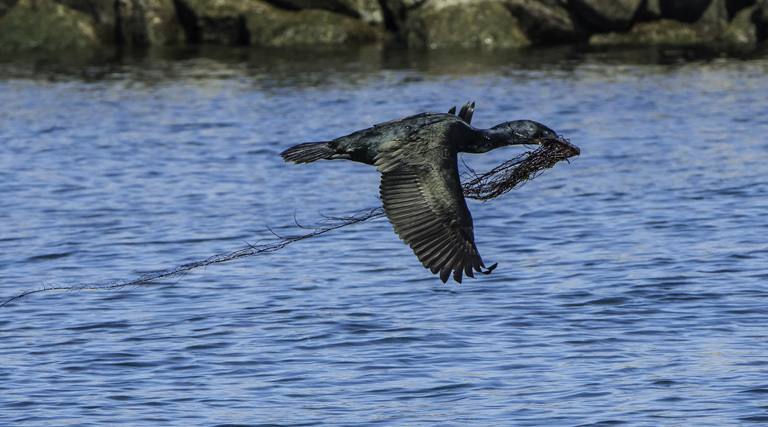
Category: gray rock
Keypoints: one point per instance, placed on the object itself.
(103, 13)
(309, 27)
(63, 24)
(466, 24)
(148, 23)
(132, 22)
(714, 19)
(665, 31)
(43, 25)
(370, 11)
(367, 10)
(650, 11)
(742, 29)
(259, 23)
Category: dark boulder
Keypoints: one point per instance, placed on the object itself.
(735, 6)
(760, 18)
(395, 12)
(689, 11)
(6, 5)
(547, 21)
(607, 15)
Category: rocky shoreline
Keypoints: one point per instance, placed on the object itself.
(56, 25)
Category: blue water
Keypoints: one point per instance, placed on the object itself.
(632, 286)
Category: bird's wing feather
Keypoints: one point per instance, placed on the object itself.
(422, 197)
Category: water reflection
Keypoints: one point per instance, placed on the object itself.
(335, 66)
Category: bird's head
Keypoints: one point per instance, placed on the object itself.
(525, 132)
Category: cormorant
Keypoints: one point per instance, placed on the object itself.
(420, 185)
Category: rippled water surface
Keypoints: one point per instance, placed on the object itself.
(632, 286)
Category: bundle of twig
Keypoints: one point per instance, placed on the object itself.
(516, 171)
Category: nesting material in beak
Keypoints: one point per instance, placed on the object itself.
(515, 172)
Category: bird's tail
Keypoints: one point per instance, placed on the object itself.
(308, 152)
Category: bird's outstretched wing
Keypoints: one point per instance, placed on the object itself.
(423, 200)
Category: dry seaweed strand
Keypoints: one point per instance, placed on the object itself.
(517, 171)
(328, 224)
(490, 185)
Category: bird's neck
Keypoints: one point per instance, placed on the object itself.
(484, 141)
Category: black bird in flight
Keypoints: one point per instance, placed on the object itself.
(420, 185)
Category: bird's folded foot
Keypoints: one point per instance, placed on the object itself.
(490, 269)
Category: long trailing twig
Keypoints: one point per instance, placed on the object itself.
(329, 224)
(490, 185)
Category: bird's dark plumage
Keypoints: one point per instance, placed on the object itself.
(420, 185)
